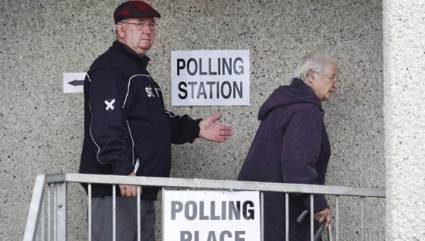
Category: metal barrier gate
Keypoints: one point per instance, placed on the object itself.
(56, 197)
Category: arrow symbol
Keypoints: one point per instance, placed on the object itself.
(76, 82)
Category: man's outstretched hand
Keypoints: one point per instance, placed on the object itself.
(212, 131)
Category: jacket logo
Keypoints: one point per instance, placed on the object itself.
(150, 92)
(109, 105)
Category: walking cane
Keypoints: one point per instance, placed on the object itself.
(319, 231)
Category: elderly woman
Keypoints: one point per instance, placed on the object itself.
(292, 146)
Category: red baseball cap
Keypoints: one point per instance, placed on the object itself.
(134, 9)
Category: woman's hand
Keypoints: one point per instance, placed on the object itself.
(324, 216)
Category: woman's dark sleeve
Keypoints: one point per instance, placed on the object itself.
(301, 149)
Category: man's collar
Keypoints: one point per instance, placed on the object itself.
(142, 60)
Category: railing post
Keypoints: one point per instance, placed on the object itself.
(89, 211)
(61, 211)
(286, 217)
(49, 212)
(363, 235)
(139, 189)
(311, 217)
(42, 222)
(337, 219)
(34, 210)
(162, 213)
(262, 215)
(114, 212)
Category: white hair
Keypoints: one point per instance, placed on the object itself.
(316, 61)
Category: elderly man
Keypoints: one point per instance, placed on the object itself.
(292, 146)
(126, 128)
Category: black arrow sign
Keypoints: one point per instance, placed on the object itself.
(76, 82)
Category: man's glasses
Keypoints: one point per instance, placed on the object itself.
(143, 23)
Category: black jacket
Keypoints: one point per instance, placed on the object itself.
(126, 128)
(291, 146)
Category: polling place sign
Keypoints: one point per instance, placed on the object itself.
(210, 77)
(211, 216)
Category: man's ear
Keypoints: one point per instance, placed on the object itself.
(119, 29)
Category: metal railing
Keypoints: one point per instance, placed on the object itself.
(57, 193)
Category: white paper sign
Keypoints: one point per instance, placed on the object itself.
(210, 77)
(73, 82)
(211, 216)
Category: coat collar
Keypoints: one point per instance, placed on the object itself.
(141, 60)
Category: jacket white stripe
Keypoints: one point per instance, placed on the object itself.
(92, 138)
(128, 125)
(90, 129)
(132, 143)
(170, 114)
(128, 87)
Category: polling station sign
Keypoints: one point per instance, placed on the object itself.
(210, 77)
(211, 216)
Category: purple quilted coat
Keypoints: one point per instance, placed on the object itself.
(291, 146)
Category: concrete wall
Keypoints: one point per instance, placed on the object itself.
(404, 119)
(41, 128)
